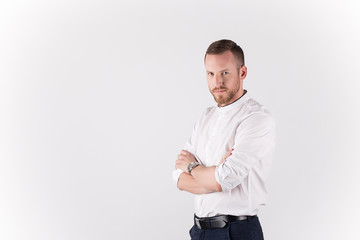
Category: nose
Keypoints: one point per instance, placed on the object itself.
(219, 80)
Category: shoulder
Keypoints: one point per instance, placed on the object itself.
(207, 112)
(205, 115)
(258, 116)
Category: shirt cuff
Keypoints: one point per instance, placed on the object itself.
(176, 174)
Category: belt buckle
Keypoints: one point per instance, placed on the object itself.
(221, 224)
(198, 223)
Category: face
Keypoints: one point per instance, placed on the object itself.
(224, 80)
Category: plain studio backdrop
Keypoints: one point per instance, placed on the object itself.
(97, 98)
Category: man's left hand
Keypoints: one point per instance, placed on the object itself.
(183, 160)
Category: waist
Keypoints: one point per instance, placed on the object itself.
(219, 221)
(237, 203)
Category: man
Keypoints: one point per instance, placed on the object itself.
(227, 159)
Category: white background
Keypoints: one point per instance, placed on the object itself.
(98, 97)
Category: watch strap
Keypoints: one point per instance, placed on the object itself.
(191, 166)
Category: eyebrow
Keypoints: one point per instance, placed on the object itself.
(220, 70)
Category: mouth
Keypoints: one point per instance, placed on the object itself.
(219, 90)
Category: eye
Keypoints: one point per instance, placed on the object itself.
(210, 74)
(225, 73)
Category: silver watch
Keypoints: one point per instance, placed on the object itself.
(191, 166)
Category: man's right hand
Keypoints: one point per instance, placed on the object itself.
(228, 154)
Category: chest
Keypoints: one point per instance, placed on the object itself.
(215, 138)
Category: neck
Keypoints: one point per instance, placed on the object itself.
(238, 95)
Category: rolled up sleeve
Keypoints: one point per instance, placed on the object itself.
(253, 147)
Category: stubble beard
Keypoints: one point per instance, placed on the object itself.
(224, 99)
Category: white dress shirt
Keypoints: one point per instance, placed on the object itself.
(248, 128)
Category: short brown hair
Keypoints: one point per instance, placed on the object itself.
(224, 45)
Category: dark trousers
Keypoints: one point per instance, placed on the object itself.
(245, 230)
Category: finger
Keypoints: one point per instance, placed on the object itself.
(222, 161)
(230, 152)
(184, 152)
(179, 161)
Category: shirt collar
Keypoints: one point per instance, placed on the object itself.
(236, 104)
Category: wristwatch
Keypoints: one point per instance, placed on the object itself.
(191, 166)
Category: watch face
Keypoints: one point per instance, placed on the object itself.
(192, 165)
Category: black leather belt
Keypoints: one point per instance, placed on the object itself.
(218, 221)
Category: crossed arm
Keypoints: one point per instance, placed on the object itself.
(202, 179)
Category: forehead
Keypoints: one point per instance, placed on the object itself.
(218, 62)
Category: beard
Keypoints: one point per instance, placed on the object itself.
(226, 97)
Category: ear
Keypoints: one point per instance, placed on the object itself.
(243, 72)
